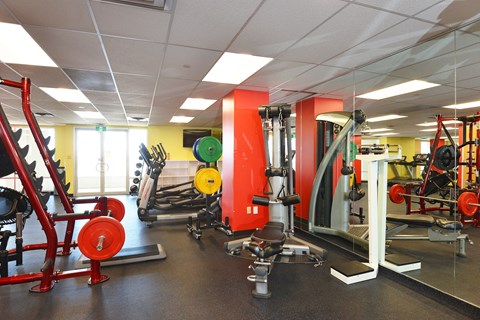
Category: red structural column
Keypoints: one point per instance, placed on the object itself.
(306, 142)
(243, 159)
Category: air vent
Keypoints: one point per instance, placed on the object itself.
(44, 114)
(164, 5)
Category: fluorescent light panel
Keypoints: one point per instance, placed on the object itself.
(435, 129)
(399, 89)
(376, 130)
(386, 134)
(89, 114)
(234, 68)
(434, 123)
(197, 104)
(66, 95)
(385, 118)
(20, 48)
(181, 119)
(466, 105)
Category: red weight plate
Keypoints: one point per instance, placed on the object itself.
(396, 193)
(464, 203)
(115, 206)
(113, 238)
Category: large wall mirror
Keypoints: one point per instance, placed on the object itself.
(437, 128)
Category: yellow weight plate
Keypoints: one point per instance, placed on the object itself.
(207, 180)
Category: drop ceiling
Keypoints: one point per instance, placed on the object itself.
(134, 61)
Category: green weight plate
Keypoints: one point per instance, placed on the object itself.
(209, 149)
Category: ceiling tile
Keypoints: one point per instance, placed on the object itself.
(312, 76)
(105, 108)
(171, 88)
(288, 97)
(69, 49)
(91, 80)
(131, 22)
(276, 73)
(209, 24)
(451, 13)
(400, 36)
(137, 109)
(65, 14)
(188, 63)
(357, 23)
(97, 97)
(210, 90)
(43, 76)
(137, 84)
(280, 23)
(134, 56)
(5, 16)
(136, 100)
(407, 7)
(114, 116)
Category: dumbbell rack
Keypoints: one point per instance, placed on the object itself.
(33, 188)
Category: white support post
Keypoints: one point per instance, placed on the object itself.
(353, 272)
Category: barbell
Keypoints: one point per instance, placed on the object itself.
(467, 201)
(101, 238)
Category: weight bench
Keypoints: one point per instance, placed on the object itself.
(439, 230)
(265, 243)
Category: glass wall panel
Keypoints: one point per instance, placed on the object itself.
(432, 147)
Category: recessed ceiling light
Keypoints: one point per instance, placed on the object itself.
(434, 123)
(376, 130)
(20, 48)
(435, 129)
(385, 118)
(181, 119)
(89, 114)
(399, 89)
(197, 104)
(234, 68)
(466, 105)
(66, 95)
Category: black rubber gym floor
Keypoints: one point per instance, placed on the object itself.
(198, 280)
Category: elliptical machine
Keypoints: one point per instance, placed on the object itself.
(276, 237)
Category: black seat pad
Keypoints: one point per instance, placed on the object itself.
(412, 219)
(272, 233)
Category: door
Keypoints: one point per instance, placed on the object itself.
(101, 161)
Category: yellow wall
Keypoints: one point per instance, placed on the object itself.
(409, 148)
(64, 139)
(170, 136)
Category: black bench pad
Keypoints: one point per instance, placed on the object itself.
(412, 219)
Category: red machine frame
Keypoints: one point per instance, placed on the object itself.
(472, 185)
(47, 276)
